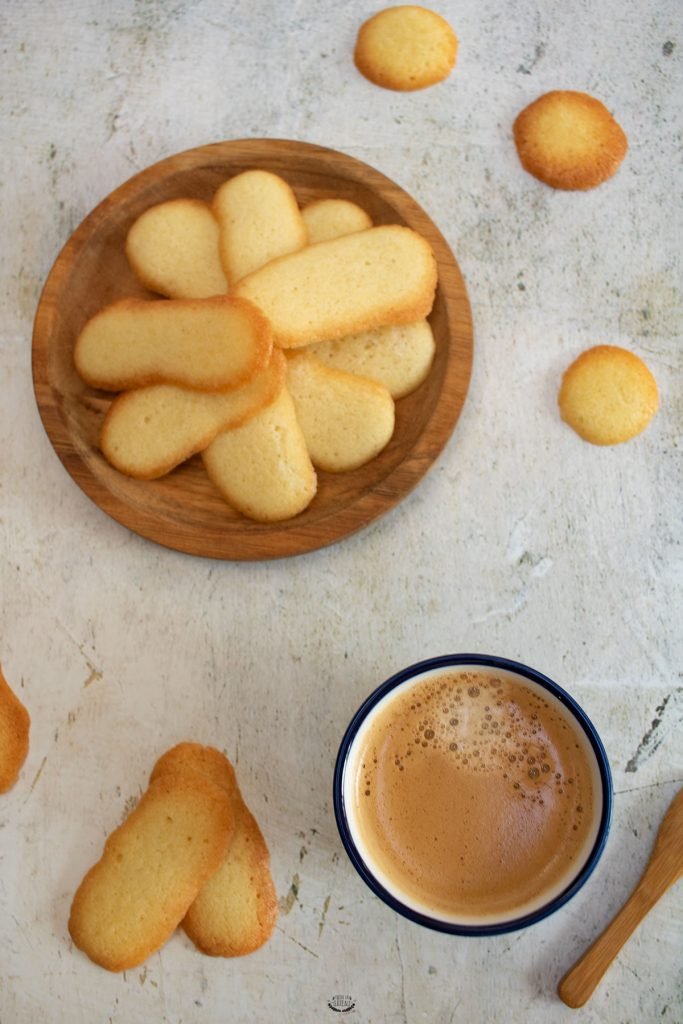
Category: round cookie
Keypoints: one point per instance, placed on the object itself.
(569, 140)
(608, 395)
(406, 48)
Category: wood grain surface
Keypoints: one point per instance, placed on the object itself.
(183, 510)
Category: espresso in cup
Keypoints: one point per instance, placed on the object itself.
(472, 794)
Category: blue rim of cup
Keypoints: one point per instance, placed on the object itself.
(503, 664)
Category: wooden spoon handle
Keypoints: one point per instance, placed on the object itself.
(580, 981)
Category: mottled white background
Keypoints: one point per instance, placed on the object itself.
(522, 541)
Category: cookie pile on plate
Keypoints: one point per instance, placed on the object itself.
(283, 340)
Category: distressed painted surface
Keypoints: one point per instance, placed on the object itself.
(522, 541)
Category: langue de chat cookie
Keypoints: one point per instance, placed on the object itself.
(173, 250)
(569, 140)
(367, 279)
(194, 759)
(399, 357)
(147, 432)
(152, 868)
(263, 468)
(406, 48)
(236, 910)
(15, 723)
(208, 344)
(332, 218)
(608, 395)
(346, 419)
(259, 219)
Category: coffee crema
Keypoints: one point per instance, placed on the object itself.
(472, 795)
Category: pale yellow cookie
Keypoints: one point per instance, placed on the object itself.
(346, 420)
(15, 723)
(152, 868)
(208, 344)
(192, 759)
(235, 912)
(173, 250)
(406, 48)
(259, 219)
(263, 468)
(370, 278)
(399, 357)
(332, 218)
(149, 431)
(608, 395)
(569, 140)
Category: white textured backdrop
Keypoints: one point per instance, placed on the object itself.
(522, 541)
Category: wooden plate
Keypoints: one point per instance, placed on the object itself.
(183, 510)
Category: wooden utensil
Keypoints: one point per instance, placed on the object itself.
(663, 869)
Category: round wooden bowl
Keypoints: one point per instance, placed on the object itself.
(183, 510)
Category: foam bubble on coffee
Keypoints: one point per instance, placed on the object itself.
(473, 795)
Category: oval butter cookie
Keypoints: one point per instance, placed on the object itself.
(569, 140)
(152, 868)
(173, 250)
(353, 283)
(147, 432)
(608, 395)
(263, 468)
(15, 723)
(208, 344)
(406, 48)
(236, 910)
(258, 220)
(332, 218)
(346, 420)
(397, 356)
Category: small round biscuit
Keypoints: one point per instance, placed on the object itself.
(406, 48)
(569, 140)
(608, 395)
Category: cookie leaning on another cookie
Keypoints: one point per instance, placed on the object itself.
(15, 723)
(399, 357)
(346, 419)
(332, 218)
(258, 219)
(208, 344)
(194, 759)
(235, 912)
(569, 140)
(263, 468)
(173, 250)
(152, 868)
(368, 279)
(406, 48)
(149, 431)
(608, 395)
